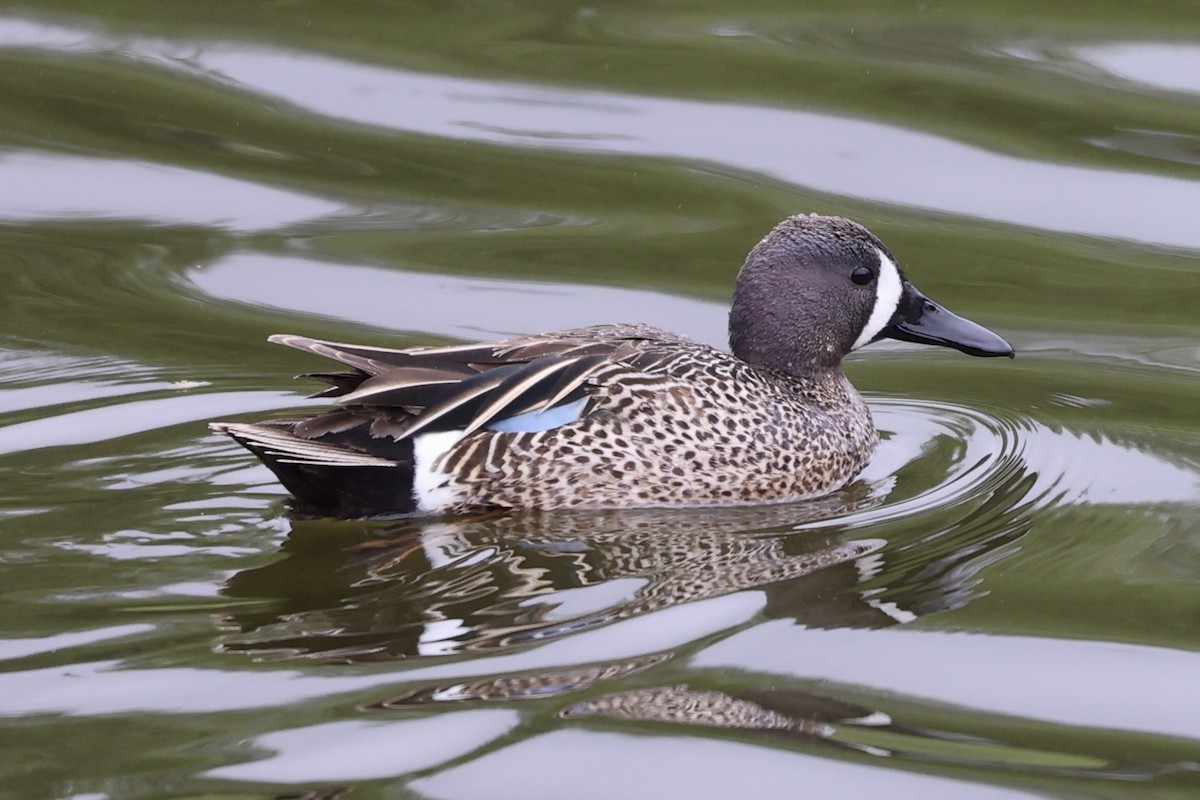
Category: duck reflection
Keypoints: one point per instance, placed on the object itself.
(363, 592)
(533, 686)
(440, 588)
(815, 578)
(454, 590)
(357, 592)
(687, 706)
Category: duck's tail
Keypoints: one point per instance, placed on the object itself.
(328, 478)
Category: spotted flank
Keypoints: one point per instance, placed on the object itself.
(619, 415)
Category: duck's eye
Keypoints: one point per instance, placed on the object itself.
(862, 275)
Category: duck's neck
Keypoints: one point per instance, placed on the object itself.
(822, 387)
(775, 355)
(773, 337)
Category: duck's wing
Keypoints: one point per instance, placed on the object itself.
(469, 387)
(465, 359)
(361, 458)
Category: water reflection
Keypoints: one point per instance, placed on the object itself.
(444, 305)
(842, 156)
(116, 189)
(1170, 66)
(529, 686)
(682, 705)
(647, 767)
(791, 716)
(1027, 629)
(952, 493)
(506, 581)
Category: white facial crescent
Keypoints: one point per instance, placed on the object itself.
(888, 289)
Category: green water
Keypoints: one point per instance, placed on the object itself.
(1006, 604)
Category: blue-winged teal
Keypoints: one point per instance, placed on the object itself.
(621, 415)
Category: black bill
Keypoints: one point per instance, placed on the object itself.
(919, 319)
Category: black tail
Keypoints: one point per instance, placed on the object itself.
(327, 478)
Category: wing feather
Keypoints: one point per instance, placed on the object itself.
(283, 446)
(564, 389)
(460, 402)
(466, 387)
(517, 394)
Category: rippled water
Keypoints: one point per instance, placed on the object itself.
(1005, 604)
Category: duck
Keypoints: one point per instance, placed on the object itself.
(619, 415)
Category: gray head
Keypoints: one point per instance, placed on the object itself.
(818, 287)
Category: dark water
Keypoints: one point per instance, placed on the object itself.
(1006, 604)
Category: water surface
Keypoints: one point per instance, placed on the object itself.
(1005, 604)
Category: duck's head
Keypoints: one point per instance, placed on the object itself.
(818, 287)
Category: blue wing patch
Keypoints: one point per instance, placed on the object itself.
(532, 421)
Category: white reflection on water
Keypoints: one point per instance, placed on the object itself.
(839, 155)
(1061, 681)
(21, 648)
(442, 305)
(86, 689)
(365, 750)
(31, 188)
(585, 764)
(27, 398)
(1171, 66)
(580, 601)
(133, 549)
(37, 35)
(115, 420)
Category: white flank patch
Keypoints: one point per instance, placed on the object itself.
(432, 488)
(887, 297)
